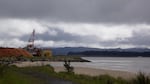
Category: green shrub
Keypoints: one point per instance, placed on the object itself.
(141, 79)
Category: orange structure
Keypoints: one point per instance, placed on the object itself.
(14, 52)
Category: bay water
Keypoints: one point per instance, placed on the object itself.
(130, 64)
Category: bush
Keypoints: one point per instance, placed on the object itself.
(3, 69)
(141, 79)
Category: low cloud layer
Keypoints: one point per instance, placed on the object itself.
(61, 34)
(87, 23)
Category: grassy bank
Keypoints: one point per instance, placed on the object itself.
(40, 75)
(11, 75)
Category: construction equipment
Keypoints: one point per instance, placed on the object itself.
(30, 44)
(37, 51)
(31, 47)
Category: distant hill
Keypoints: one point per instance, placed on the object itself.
(66, 50)
(111, 54)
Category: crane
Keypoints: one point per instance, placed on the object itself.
(31, 47)
(34, 50)
(30, 44)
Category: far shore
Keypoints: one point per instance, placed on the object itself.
(81, 70)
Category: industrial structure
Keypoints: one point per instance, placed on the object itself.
(31, 47)
(29, 51)
(35, 51)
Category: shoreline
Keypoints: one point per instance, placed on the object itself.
(98, 72)
(81, 70)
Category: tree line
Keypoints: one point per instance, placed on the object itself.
(111, 53)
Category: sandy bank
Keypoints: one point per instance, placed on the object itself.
(80, 70)
(97, 72)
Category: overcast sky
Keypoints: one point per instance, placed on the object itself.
(74, 23)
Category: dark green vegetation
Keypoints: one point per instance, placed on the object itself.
(10, 75)
(46, 75)
(103, 79)
(29, 75)
(141, 79)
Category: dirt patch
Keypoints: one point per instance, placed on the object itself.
(13, 52)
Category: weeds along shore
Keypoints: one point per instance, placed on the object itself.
(26, 75)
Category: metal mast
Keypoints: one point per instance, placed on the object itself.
(31, 47)
(30, 44)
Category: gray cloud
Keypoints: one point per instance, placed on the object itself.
(139, 39)
(61, 36)
(112, 11)
(93, 23)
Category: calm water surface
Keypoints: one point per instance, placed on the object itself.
(135, 64)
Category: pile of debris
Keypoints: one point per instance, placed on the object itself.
(14, 52)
